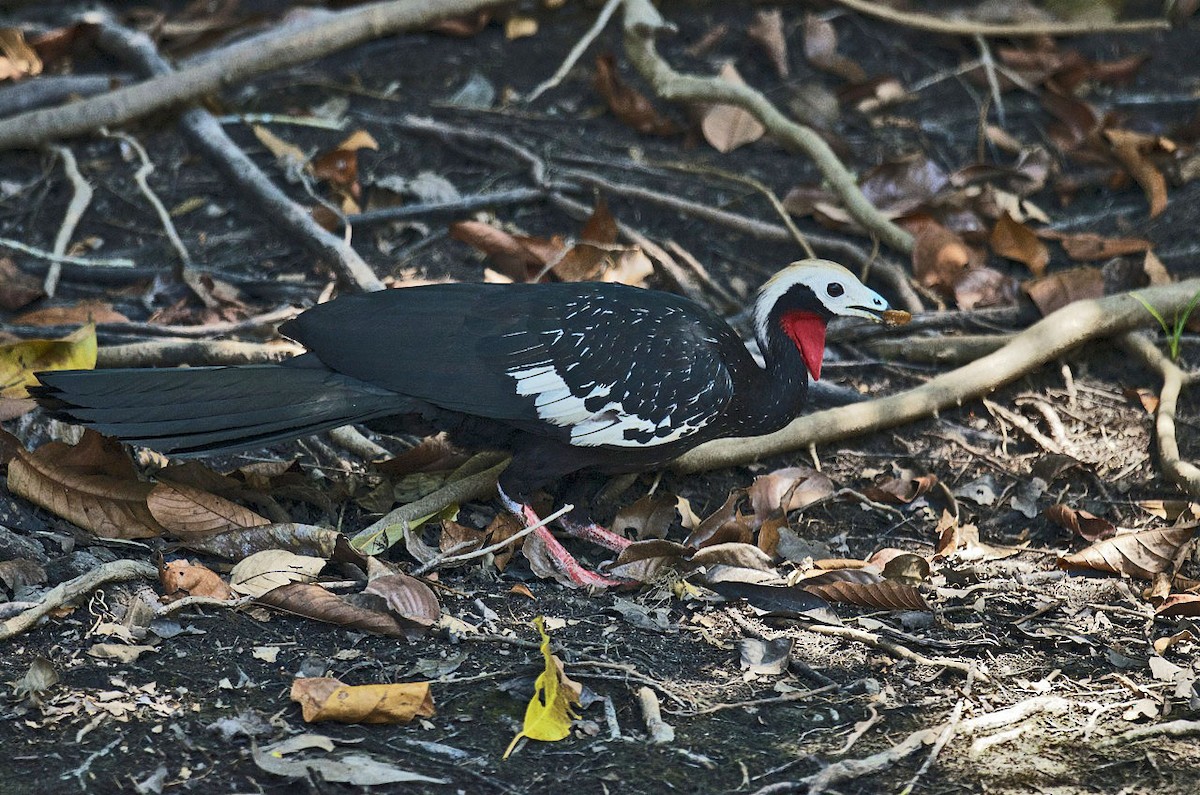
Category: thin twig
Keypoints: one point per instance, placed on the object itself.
(17, 245)
(576, 52)
(71, 590)
(995, 30)
(81, 198)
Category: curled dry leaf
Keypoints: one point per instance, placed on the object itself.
(1131, 148)
(767, 31)
(302, 539)
(264, 571)
(358, 770)
(939, 256)
(978, 288)
(1055, 291)
(459, 538)
(1091, 247)
(92, 485)
(627, 103)
(650, 517)
(799, 487)
(432, 454)
(90, 311)
(820, 48)
(180, 578)
(779, 600)
(312, 601)
(726, 524)
(20, 360)
(726, 127)
(1015, 241)
(17, 59)
(740, 555)
(1180, 604)
(502, 528)
(555, 699)
(1080, 522)
(407, 597)
(1142, 554)
(186, 511)
(326, 698)
(901, 490)
(864, 588)
(17, 288)
(646, 561)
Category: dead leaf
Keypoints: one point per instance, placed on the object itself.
(1165, 644)
(1130, 149)
(650, 517)
(1015, 241)
(432, 454)
(89, 311)
(19, 572)
(646, 561)
(863, 588)
(303, 539)
(358, 770)
(555, 701)
(520, 27)
(291, 158)
(1179, 605)
(93, 484)
(20, 360)
(798, 486)
(726, 127)
(767, 31)
(186, 512)
(264, 571)
(1055, 291)
(312, 601)
(406, 596)
(182, 578)
(939, 256)
(1142, 554)
(326, 698)
(820, 48)
(502, 528)
(17, 59)
(1090, 247)
(765, 657)
(723, 525)
(979, 288)
(120, 652)
(901, 490)
(17, 288)
(628, 104)
(778, 600)
(1081, 523)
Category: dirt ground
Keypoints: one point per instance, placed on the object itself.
(1007, 628)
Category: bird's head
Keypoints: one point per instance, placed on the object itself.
(801, 299)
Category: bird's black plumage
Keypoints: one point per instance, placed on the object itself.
(565, 376)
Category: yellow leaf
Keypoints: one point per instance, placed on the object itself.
(20, 360)
(551, 710)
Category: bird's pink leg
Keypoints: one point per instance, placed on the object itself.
(563, 559)
(596, 534)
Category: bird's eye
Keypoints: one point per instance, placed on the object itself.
(835, 289)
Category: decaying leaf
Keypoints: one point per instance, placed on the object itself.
(627, 103)
(864, 588)
(939, 256)
(1131, 148)
(17, 288)
(765, 657)
(302, 539)
(17, 58)
(89, 311)
(778, 600)
(1142, 554)
(646, 561)
(264, 571)
(20, 360)
(726, 524)
(1016, 241)
(726, 127)
(649, 517)
(93, 484)
(405, 596)
(1080, 522)
(312, 601)
(1064, 287)
(186, 512)
(182, 578)
(767, 31)
(358, 770)
(1091, 247)
(555, 699)
(902, 489)
(326, 698)
(788, 489)
(820, 48)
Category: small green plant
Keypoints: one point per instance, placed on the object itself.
(1173, 330)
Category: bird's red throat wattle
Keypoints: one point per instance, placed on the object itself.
(807, 330)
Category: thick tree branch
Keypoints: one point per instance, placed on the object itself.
(292, 45)
(966, 27)
(1042, 342)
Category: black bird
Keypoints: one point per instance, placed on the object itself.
(565, 376)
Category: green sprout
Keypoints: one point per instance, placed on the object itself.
(1174, 331)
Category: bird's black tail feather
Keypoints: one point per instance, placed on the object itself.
(213, 409)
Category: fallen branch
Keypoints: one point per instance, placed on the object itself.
(643, 23)
(72, 590)
(896, 650)
(294, 44)
(204, 132)
(1173, 728)
(1042, 342)
(1012, 30)
(1183, 474)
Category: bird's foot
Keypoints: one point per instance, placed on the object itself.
(557, 555)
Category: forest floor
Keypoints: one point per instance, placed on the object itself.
(1022, 674)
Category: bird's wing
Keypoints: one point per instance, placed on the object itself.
(595, 365)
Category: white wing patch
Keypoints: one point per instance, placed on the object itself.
(556, 403)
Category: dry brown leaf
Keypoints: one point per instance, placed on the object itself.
(1130, 149)
(650, 517)
(93, 484)
(186, 511)
(502, 528)
(460, 538)
(726, 127)
(432, 454)
(979, 288)
(1142, 554)
(1179, 604)
(735, 554)
(520, 27)
(820, 48)
(1055, 291)
(723, 525)
(267, 570)
(645, 561)
(303, 539)
(865, 589)
(939, 256)
(17, 288)
(326, 698)
(1015, 241)
(1081, 523)
(407, 597)
(627, 103)
(180, 578)
(17, 59)
(89, 311)
(767, 31)
(1090, 247)
(901, 490)
(798, 486)
(312, 601)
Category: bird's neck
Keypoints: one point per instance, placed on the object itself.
(773, 395)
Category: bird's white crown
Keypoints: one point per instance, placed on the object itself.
(834, 286)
